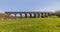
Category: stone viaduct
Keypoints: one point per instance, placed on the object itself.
(30, 14)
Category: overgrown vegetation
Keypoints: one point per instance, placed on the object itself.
(30, 25)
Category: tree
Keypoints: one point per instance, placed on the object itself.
(57, 13)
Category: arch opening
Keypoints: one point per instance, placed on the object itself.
(12, 14)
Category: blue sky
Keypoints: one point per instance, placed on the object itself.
(29, 5)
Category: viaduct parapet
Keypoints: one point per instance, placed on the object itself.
(30, 14)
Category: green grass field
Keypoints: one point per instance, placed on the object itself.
(31, 25)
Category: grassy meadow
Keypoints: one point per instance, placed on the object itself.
(31, 25)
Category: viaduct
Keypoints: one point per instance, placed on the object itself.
(30, 14)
